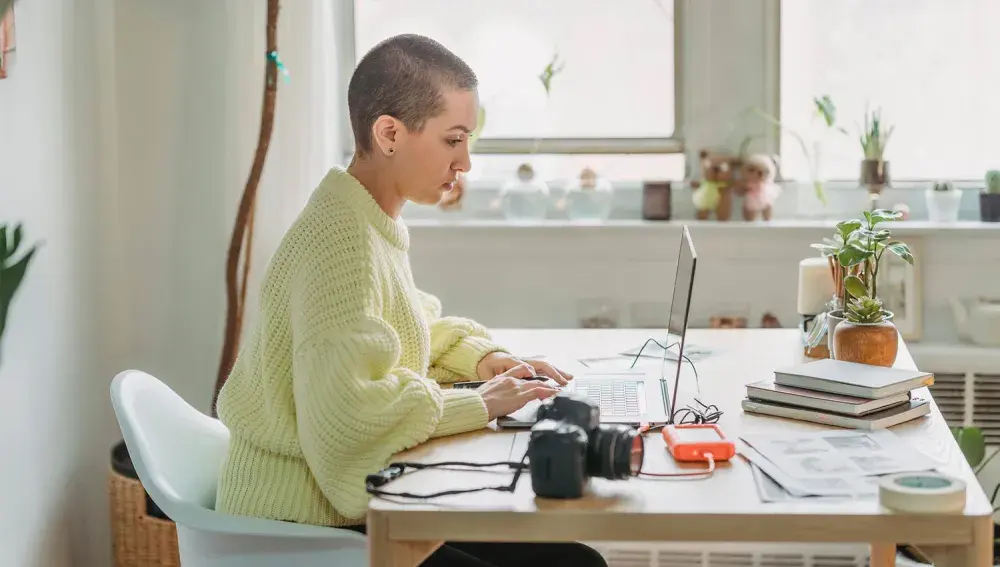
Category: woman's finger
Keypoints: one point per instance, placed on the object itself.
(536, 391)
(523, 370)
(552, 372)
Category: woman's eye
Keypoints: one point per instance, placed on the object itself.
(454, 142)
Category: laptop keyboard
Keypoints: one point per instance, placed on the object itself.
(614, 397)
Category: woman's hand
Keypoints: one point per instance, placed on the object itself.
(497, 363)
(509, 392)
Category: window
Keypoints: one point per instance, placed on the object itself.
(932, 67)
(614, 95)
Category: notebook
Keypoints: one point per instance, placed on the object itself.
(852, 379)
(879, 420)
(766, 391)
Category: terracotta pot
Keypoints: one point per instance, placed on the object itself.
(876, 344)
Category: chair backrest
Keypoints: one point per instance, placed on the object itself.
(176, 450)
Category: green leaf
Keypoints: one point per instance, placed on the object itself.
(885, 215)
(972, 443)
(852, 255)
(847, 227)
(868, 218)
(826, 109)
(17, 238)
(4, 254)
(901, 250)
(826, 249)
(855, 286)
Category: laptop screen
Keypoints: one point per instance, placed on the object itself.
(680, 305)
(677, 320)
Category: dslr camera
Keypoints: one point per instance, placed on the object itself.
(569, 444)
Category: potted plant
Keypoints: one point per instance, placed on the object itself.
(865, 247)
(874, 169)
(12, 270)
(831, 249)
(867, 334)
(989, 199)
(943, 201)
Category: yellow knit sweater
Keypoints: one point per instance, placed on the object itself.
(342, 368)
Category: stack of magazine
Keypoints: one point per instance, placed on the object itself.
(842, 394)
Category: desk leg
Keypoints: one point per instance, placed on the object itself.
(979, 553)
(384, 552)
(883, 555)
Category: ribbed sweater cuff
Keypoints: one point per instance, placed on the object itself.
(464, 410)
(463, 357)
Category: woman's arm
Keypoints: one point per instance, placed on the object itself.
(355, 406)
(457, 344)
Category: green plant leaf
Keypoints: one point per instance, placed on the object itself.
(852, 255)
(855, 286)
(868, 218)
(847, 227)
(972, 443)
(826, 108)
(885, 215)
(901, 250)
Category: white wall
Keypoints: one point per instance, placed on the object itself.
(50, 390)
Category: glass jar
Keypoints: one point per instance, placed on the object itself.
(525, 197)
(589, 197)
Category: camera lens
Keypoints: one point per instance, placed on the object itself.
(615, 452)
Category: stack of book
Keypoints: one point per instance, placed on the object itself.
(843, 394)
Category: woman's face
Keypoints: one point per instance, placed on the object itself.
(429, 161)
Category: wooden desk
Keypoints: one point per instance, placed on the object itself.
(725, 507)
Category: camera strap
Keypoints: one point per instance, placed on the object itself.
(374, 482)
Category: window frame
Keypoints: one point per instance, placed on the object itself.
(673, 144)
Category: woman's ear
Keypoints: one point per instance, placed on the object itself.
(386, 133)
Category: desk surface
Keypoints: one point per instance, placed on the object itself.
(725, 507)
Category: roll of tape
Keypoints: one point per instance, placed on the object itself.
(922, 492)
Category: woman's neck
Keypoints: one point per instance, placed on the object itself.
(380, 184)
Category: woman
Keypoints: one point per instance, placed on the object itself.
(342, 369)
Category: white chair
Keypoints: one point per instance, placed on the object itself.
(177, 452)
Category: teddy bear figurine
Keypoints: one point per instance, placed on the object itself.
(714, 191)
(758, 187)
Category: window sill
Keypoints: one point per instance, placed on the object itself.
(990, 229)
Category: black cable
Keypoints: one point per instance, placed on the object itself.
(684, 356)
(396, 470)
(708, 413)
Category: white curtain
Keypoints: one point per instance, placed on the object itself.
(305, 142)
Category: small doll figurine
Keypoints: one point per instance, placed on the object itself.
(759, 188)
(714, 191)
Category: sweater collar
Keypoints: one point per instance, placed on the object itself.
(352, 191)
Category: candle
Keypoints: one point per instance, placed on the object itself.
(815, 285)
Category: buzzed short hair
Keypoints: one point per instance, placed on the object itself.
(403, 77)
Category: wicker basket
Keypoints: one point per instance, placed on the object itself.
(139, 537)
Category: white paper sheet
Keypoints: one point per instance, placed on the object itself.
(839, 453)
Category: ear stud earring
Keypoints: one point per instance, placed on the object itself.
(392, 151)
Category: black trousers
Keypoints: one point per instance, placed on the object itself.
(487, 554)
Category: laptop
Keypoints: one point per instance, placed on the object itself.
(635, 397)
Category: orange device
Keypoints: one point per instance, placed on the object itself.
(694, 441)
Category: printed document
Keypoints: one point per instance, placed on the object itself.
(839, 453)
